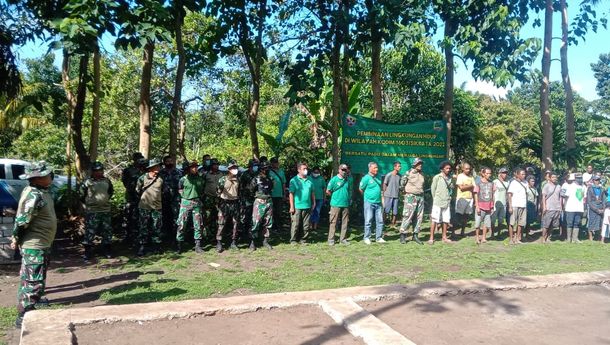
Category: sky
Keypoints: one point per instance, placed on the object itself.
(580, 57)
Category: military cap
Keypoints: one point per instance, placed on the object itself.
(97, 166)
(36, 169)
(153, 163)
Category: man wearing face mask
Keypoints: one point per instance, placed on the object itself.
(210, 201)
(171, 201)
(262, 217)
(246, 196)
(228, 207)
(340, 191)
(205, 164)
(302, 202)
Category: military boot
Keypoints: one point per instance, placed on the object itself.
(141, 250)
(198, 248)
(575, 232)
(178, 247)
(87, 255)
(416, 239)
(234, 246)
(252, 246)
(108, 251)
(403, 238)
(266, 244)
(218, 247)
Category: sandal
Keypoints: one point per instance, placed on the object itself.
(430, 242)
(446, 240)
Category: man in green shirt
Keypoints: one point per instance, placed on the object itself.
(340, 191)
(33, 234)
(278, 176)
(190, 188)
(96, 192)
(302, 202)
(441, 188)
(319, 189)
(370, 188)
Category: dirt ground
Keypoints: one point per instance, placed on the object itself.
(299, 325)
(570, 315)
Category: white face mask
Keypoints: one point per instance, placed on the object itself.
(255, 168)
(233, 171)
(315, 175)
(304, 172)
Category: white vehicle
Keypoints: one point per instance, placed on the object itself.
(11, 185)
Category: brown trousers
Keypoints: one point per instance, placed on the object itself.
(335, 213)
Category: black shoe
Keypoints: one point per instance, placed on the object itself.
(87, 254)
(141, 250)
(42, 303)
(403, 238)
(108, 251)
(178, 247)
(266, 244)
(234, 246)
(416, 239)
(218, 247)
(19, 321)
(252, 246)
(198, 248)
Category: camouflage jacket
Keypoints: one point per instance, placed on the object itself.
(171, 179)
(246, 191)
(35, 221)
(130, 177)
(262, 185)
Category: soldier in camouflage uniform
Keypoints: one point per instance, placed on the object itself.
(210, 201)
(150, 188)
(33, 233)
(246, 196)
(262, 210)
(96, 193)
(191, 188)
(171, 200)
(130, 177)
(412, 184)
(228, 207)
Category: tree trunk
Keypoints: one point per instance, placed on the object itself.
(344, 27)
(376, 41)
(448, 101)
(65, 78)
(82, 154)
(182, 134)
(145, 115)
(567, 86)
(545, 115)
(335, 62)
(95, 120)
(174, 113)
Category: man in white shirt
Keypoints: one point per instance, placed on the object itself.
(517, 205)
(573, 195)
(586, 176)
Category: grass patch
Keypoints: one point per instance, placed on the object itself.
(318, 266)
(7, 321)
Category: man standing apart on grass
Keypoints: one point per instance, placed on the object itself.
(370, 188)
(412, 184)
(33, 233)
(319, 189)
(151, 188)
(228, 208)
(464, 201)
(278, 176)
(550, 203)
(573, 195)
(484, 202)
(190, 188)
(340, 191)
(96, 192)
(499, 212)
(517, 206)
(391, 192)
(596, 204)
(302, 202)
(441, 189)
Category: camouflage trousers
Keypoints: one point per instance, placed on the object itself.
(171, 211)
(130, 219)
(33, 273)
(413, 210)
(99, 223)
(245, 215)
(187, 207)
(262, 216)
(151, 226)
(210, 214)
(228, 209)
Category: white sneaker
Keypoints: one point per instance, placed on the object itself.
(380, 240)
(367, 241)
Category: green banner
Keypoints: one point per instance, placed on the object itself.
(366, 140)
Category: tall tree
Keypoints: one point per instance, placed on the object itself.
(545, 113)
(601, 72)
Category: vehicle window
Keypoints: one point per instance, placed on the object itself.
(2, 173)
(17, 170)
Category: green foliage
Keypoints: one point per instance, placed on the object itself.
(601, 71)
(47, 142)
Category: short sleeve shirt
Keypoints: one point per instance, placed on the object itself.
(301, 188)
(319, 185)
(574, 196)
(552, 197)
(340, 192)
(485, 192)
(463, 179)
(519, 193)
(371, 186)
(392, 183)
(500, 191)
(279, 181)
